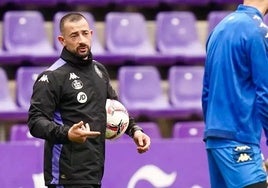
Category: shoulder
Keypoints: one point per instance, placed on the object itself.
(55, 73)
(100, 67)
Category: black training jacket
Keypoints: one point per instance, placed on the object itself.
(69, 91)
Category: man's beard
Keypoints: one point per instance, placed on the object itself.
(84, 55)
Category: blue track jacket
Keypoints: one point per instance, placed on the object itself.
(235, 85)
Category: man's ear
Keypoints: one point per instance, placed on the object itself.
(61, 40)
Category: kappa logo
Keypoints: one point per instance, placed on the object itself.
(43, 79)
(263, 25)
(81, 97)
(243, 157)
(257, 17)
(242, 148)
(73, 76)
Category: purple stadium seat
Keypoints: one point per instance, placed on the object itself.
(139, 3)
(126, 35)
(6, 101)
(227, 1)
(150, 128)
(9, 111)
(3, 2)
(176, 35)
(21, 165)
(25, 79)
(87, 2)
(24, 36)
(185, 89)
(189, 129)
(42, 3)
(127, 39)
(214, 17)
(9, 58)
(141, 92)
(185, 2)
(20, 132)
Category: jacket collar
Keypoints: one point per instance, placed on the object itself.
(71, 58)
(249, 9)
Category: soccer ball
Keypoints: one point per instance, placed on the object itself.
(117, 119)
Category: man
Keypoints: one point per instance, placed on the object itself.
(235, 97)
(68, 111)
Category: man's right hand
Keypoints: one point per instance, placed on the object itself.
(79, 132)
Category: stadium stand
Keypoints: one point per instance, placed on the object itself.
(185, 89)
(140, 90)
(25, 79)
(188, 129)
(20, 132)
(176, 35)
(140, 3)
(226, 1)
(126, 35)
(25, 38)
(166, 156)
(150, 128)
(6, 101)
(185, 2)
(102, 53)
(214, 17)
(35, 2)
(98, 50)
(9, 111)
(89, 3)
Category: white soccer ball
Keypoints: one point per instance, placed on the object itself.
(117, 119)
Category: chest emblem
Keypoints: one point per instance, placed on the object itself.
(73, 76)
(81, 97)
(77, 84)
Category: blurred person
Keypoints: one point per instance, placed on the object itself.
(68, 111)
(235, 97)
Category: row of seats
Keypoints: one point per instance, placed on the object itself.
(126, 39)
(181, 130)
(139, 3)
(139, 89)
(141, 92)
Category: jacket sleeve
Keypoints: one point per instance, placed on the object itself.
(132, 126)
(42, 109)
(258, 54)
(205, 90)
